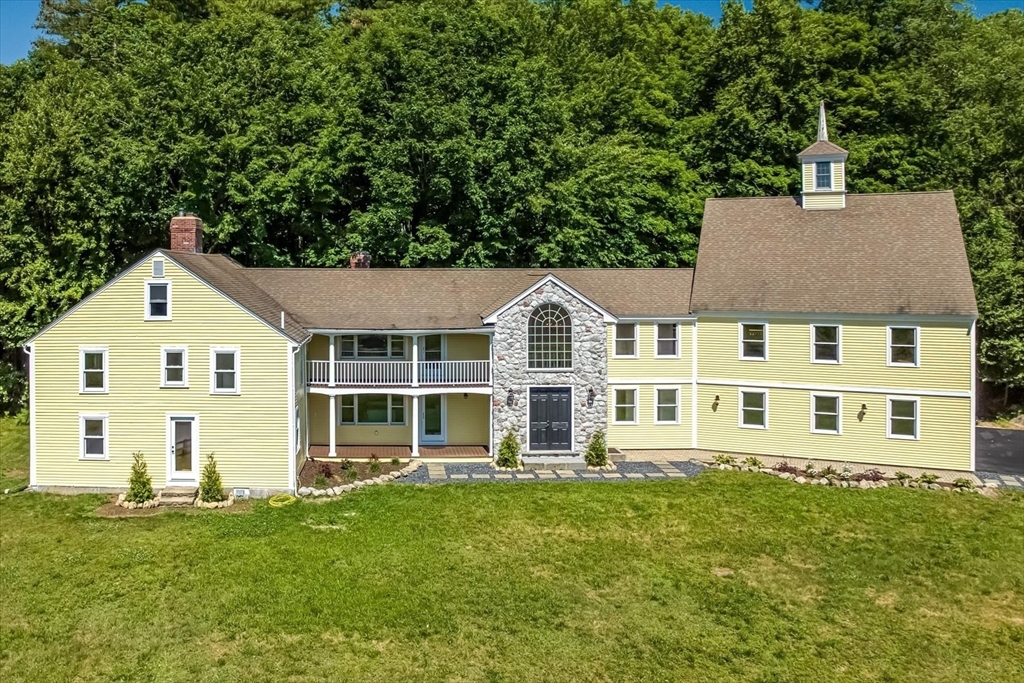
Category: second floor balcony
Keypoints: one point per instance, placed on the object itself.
(398, 373)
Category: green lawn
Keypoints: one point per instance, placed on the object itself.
(727, 577)
(13, 454)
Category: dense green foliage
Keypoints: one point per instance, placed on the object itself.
(487, 132)
(508, 451)
(597, 450)
(211, 490)
(140, 484)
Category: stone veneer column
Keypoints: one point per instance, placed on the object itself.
(589, 367)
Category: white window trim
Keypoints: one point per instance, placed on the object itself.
(917, 346)
(355, 412)
(183, 384)
(739, 337)
(406, 345)
(839, 344)
(636, 406)
(213, 370)
(163, 268)
(839, 413)
(917, 418)
(636, 340)
(105, 417)
(82, 350)
(831, 175)
(739, 407)
(170, 298)
(679, 346)
(679, 394)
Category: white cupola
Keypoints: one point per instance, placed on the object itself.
(823, 167)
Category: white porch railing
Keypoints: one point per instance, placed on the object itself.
(399, 373)
(454, 372)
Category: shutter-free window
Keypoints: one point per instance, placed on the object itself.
(668, 339)
(823, 175)
(753, 341)
(625, 405)
(625, 339)
(754, 409)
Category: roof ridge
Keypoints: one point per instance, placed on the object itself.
(848, 194)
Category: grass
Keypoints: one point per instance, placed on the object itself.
(727, 577)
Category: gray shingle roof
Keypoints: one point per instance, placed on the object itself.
(822, 147)
(883, 254)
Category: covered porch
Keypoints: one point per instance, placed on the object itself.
(464, 453)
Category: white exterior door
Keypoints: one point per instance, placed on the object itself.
(432, 418)
(182, 449)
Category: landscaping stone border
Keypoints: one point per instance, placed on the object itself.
(131, 505)
(213, 504)
(309, 492)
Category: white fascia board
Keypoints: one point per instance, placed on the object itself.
(549, 278)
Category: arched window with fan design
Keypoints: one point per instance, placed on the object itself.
(549, 338)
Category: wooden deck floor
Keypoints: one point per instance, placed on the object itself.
(403, 452)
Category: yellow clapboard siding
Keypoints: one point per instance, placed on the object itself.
(467, 419)
(647, 434)
(646, 366)
(824, 200)
(944, 429)
(248, 433)
(945, 355)
(468, 346)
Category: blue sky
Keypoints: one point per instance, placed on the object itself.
(17, 17)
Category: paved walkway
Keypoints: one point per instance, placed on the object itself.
(1000, 451)
(439, 472)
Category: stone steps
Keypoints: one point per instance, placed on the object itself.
(178, 495)
(554, 462)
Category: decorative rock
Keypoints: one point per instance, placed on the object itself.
(765, 470)
(935, 487)
(800, 480)
(305, 491)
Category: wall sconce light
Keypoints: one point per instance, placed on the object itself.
(714, 404)
(465, 395)
(590, 398)
(863, 412)
(510, 400)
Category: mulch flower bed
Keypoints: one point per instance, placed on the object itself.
(340, 471)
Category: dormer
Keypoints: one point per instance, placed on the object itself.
(823, 169)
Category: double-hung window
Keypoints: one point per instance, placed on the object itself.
(174, 366)
(822, 175)
(666, 405)
(753, 409)
(903, 346)
(753, 341)
(372, 346)
(826, 412)
(625, 340)
(158, 300)
(371, 409)
(92, 362)
(903, 418)
(625, 406)
(825, 344)
(667, 342)
(225, 370)
(92, 429)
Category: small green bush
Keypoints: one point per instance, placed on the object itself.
(396, 462)
(508, 451)
(829, 472)
(351, 474)
(811, 469)
(346, 464)
(723, 459)
(902, 477)
(963, 483)
(927, 478)
(320, 482)
(210, 488)
(140, 485)
(374, 464)
(597, 450)
(753, 462)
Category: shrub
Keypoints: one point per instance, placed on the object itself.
(508, 451)
(597, 450)
(786, 467)
(396, 462)
(847, 472)
(963, 483)
(346, 464)
(810, 468)
(872, 475)
(374, 464)
(753, 462)
(324, 470)
(723, 459)
(829, 472)
(902, 477)
(210, 488)
(320, 482)
(351, 474)
(927, 478)
(140, 485)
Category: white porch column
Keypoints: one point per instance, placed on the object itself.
(415, 362)
(330, 375)
(333, 448)
(490, 398)
(415, 425)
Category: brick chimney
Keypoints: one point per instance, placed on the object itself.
(360, 259)
(187, 233)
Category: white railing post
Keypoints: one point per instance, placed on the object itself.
(333, 441)
(330, 368)
(415, 360)
(415, 426)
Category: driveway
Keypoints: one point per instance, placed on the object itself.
(1000, 451)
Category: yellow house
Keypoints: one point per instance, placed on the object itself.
(829, 325)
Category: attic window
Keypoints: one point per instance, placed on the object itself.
(822, 175)
(158, 267)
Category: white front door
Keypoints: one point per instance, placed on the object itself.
(432, 418)
(183, 449)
